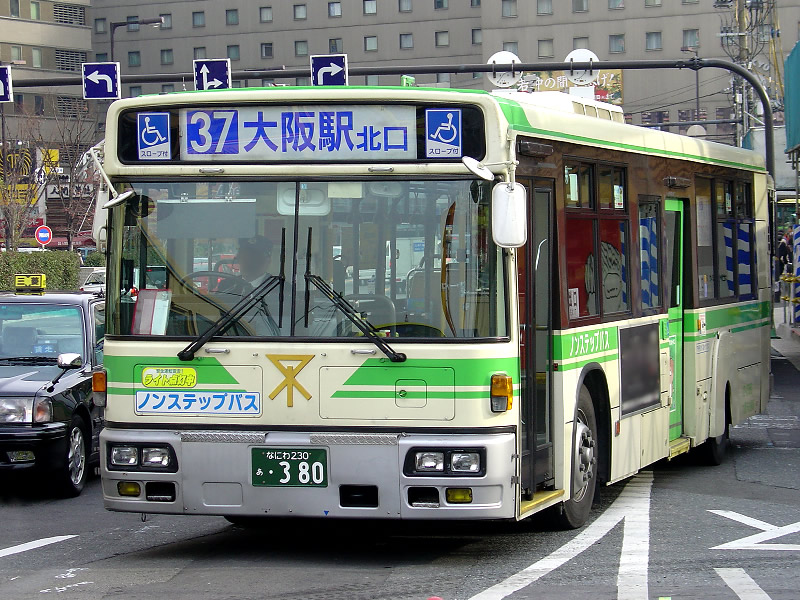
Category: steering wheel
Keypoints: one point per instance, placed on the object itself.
(380, 308)
(234, 284)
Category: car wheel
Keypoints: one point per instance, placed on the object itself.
(74, 473)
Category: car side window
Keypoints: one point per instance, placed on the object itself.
(99, 314)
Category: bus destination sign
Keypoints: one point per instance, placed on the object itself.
(291, 133)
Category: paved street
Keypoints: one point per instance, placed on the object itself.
(682, 530)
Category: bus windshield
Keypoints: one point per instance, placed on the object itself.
(404, 259)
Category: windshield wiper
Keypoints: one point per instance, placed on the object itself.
(349, 311)
(49, 360)
(240, 308)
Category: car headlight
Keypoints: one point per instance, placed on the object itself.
(43, 410)
(16, 410)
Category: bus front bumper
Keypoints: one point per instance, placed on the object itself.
(364, 475)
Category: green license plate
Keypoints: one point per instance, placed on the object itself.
(290, 467)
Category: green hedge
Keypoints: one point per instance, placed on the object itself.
(60, 267)
(95, 259)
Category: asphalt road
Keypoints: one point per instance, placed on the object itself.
(681, 530)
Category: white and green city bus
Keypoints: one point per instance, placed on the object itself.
(469, 305)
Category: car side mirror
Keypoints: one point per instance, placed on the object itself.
(70, 360)
(509, 215)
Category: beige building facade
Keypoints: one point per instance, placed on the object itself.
(268, 34)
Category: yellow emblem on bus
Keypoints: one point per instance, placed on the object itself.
(290, 372)
(169, 377)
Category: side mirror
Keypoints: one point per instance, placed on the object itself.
(509, 215)
(70, 360)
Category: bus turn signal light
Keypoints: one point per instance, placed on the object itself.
(502, 393)
(99, 387)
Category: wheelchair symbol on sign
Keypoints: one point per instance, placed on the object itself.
(443, 129)
(149, 132)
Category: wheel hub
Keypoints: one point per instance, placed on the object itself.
(584, 460)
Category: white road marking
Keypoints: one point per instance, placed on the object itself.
(633, 503)
(742, 584)
(34, 544)
(756, 541)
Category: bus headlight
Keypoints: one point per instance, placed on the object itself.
(465, 462)
(155, 457)
(124, 456)
(429, 461)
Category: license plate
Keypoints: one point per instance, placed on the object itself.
(290, 467)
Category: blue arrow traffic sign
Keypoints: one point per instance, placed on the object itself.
(329, 69)
(212, 73)
(101, 81)
(6, 91)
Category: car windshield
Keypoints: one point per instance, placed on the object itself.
(412, 258)
(40, 330)
(96, 279)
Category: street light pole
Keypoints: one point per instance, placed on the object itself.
(157, 22)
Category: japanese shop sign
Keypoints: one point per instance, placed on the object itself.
(607, 87)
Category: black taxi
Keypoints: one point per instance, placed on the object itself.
(50, 342)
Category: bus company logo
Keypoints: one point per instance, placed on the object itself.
(169, 377)
(290, 372)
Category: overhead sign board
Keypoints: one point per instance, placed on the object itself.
(329, 69)
(101, 81)
(212, 73)
(6, 91)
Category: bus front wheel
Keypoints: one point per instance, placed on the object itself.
(583, 479)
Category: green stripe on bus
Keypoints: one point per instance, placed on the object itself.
(727, 316)
(582, 363)
(209, 370)
(467, 372)
(518, 120)
(568, 346)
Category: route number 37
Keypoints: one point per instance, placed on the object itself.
(212, 132)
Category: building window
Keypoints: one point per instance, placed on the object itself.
(232, 16)
(475, 3)
(512, 47)
(268, 82)
(19, 104)
(613, 4)
(38, 105)
(477, 36)
(442, 38)
(200, 53)
(69, 14)
(265, 14)
(334, 9)
(580, 43)
(371, 43)
(302, 81)
(135, 90)
(545, 49)
(266, 50)
(652, 2)
(370, 7)
(233, 51)
(36, 14)
(236, 83)
(166, 21)
(36, 58)
(336, 45)
(372, 80)
(134, 59)
(508, 8)
(691, 38)
(439, 4)
(70, 60)
(100, 26)
(404, 6)
(167, 88)
(199, 19)
(299, 12)
(616, 43)
(14, 8)
(652, 40)
(167, 57)
(133, 23)
(16, 52)
(580, 5)
(443, 78)
(301, 48)
(689, 1)
(544, 7)
(101, 57)
(406, 41)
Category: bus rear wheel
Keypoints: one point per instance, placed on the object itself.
(583, 478)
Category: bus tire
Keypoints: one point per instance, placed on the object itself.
(583, 479)
(714, 449)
